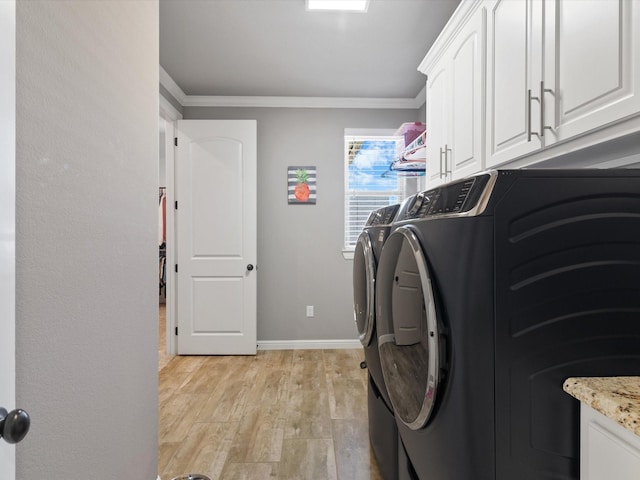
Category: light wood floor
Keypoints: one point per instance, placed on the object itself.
(285, 415)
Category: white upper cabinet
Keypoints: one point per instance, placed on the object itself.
(558, 69)
(467, 109)
(515, 82)
(591, 65)
(455, 105)
(514, 73)
(438, 97)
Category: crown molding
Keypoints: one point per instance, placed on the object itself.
(287, 102)
(460, 16)
(168, 111)
(300, 102)
(172, 87)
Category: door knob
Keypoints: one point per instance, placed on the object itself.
(14, 425)
(249, 267)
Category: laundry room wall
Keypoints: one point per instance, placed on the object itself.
(300, 258)
(86, 228)
(422, 113)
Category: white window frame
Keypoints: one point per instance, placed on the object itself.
(351, 135)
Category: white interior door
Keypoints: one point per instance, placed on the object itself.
(7, 223)
(215, 224)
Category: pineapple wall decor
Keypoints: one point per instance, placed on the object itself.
(301, 185)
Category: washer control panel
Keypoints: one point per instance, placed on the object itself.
(456, 198)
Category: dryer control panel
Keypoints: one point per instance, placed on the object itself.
(466, 197)
(383, 216)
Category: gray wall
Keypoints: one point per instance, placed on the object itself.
(86, 261)
(300, 246)
(422, 113)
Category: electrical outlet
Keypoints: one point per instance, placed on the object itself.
(309, 310)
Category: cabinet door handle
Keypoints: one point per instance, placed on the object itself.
(529, 132)
(447, 166)
(529, 115)
(542, 92)
(442, 171)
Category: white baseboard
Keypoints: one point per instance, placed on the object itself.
(307, 344)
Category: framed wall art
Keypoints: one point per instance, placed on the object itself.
(301, 185)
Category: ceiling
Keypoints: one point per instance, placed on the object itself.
(277, 48)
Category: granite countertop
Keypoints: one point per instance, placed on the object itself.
(617, 398)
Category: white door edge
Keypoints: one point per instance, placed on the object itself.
(7, 224)
(170, 325)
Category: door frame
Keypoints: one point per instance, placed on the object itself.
(170, 115)
(7, 225)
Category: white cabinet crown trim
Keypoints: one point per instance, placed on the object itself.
(449, 33)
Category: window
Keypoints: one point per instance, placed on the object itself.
(369, 183)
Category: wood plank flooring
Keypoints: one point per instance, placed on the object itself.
(281, 415)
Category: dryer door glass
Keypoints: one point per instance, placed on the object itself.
(408, 328)
(364, 274)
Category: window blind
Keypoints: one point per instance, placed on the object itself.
(369, 183)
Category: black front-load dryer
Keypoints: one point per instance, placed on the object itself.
(497, 289)
(365, 263)
(383, 432)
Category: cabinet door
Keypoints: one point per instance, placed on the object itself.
(437, 122)
(607, 450)
(467, 98)
(514, 66)
(592, 66)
